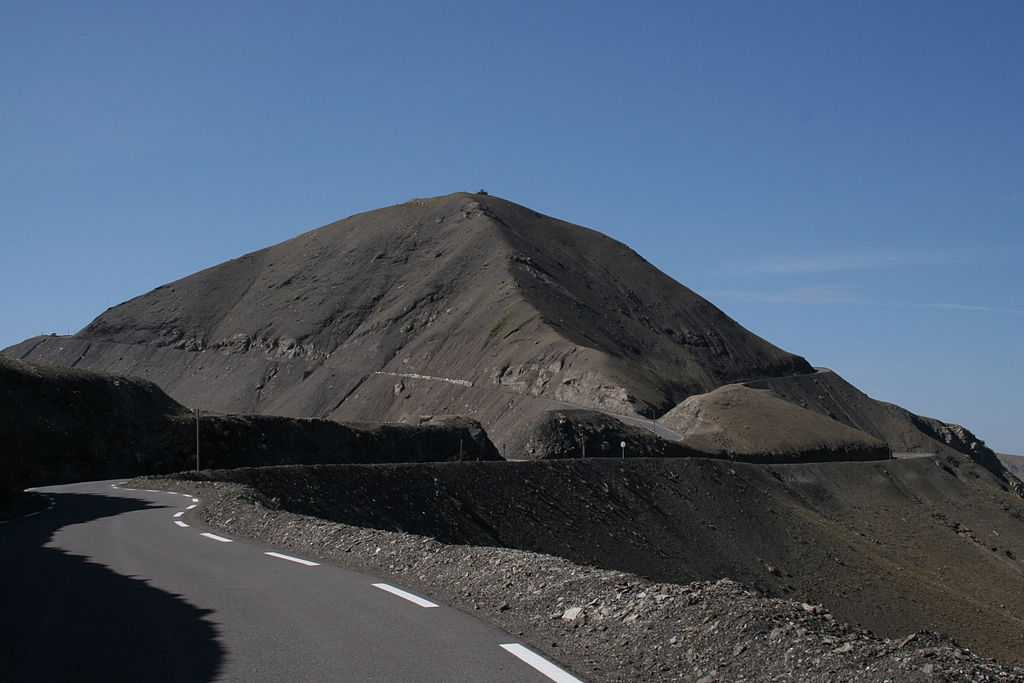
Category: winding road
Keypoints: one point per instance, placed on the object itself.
(114, 584)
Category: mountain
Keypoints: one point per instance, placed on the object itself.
(462, 304)
(469, 304)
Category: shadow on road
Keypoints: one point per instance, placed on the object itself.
(65, 618)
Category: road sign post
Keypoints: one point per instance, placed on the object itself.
(623, 447)
(197, 439)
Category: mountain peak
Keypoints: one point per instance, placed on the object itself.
(465, 303)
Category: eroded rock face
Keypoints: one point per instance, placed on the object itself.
(591, 388)
(961, 439)
(529, 378)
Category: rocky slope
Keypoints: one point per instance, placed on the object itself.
(893, 546)
(609, 626)
(1013, 463)
(826, 393)
(462, 304)
(59, 425)
(575, 433)
(736, 420)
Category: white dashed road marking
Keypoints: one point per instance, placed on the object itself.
(551, 671)
(293, 559)
(540, 664)
(415, 599)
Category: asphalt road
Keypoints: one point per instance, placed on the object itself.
(108, 584)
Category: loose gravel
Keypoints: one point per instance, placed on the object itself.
(606, 625)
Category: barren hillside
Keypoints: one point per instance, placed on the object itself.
(736, 420)
(464, 304)
(827, 393)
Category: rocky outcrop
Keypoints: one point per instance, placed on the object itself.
(590, 434)
(961, 439)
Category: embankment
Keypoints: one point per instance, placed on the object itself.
(895, 546)
(59, 425)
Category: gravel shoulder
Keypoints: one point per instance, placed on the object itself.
(606, 625)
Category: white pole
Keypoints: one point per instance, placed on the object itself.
(623, 447)
(197, 439)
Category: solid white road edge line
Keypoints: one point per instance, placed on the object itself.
(181, 524)
(191, 507)
(215, 537)
(293, 559)
(415, 599)
(179, 514)
(540, 664)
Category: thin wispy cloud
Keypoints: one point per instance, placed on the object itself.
(971, 307)
(818, 295)
(839, 295)
(873, 259)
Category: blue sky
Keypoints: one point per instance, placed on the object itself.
(845, 179)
